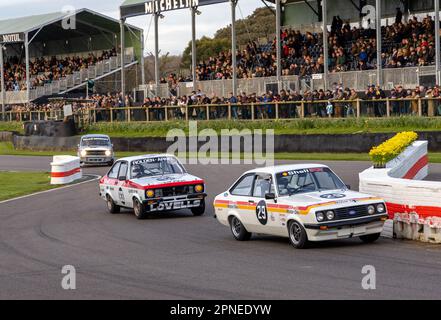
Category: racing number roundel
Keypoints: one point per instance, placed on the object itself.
(262, 212)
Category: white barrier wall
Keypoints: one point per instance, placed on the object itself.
(401, 185)
(65, 170)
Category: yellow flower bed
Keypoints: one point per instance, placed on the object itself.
(392, 148)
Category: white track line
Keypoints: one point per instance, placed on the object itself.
(52, 190)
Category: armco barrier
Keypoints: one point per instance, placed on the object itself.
(65, 170)
(401, 185)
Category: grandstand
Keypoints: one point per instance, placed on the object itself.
(57, 53)
(349, 57)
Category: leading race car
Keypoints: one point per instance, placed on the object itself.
(152, 184)
(302, 202)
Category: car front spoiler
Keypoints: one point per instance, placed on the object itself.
(347, 223)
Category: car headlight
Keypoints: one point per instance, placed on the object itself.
(150, 193)
(199, 188)
(371, 209)
(320, 216)
(83, 153)
(108, 153)
(330, 215)
(381, 208)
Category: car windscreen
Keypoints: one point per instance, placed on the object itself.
(307, 180)
(150, 167)
(95, 142)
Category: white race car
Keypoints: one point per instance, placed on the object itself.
(302, 202)
(152, 184)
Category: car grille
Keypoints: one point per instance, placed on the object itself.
(96, 153)
(351, 212)
(176, 191)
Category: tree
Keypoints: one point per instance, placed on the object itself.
(260, 24)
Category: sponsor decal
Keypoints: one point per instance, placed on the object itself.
(168, 206)
(301, 171)
(333, 196)
(150, 160)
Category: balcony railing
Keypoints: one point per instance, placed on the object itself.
(418, 107)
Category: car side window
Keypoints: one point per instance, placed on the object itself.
(123, 170)
(262, 186)
(113, 173)
(244, 186)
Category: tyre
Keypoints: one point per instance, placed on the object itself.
(139, 210)
(370, 238)
(111, 206)
(297, 235)
(199, 211)
(238, 230)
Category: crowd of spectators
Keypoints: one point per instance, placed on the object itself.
(45, 70)
(351, 48)
(337, 102)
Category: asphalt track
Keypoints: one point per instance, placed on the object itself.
(178, 256)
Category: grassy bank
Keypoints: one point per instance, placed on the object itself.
(301, 126)
(16, 184)
(7, 148)
(11, 126)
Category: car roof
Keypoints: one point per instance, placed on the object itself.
(95, 136)
(146, 156)
(288, 167)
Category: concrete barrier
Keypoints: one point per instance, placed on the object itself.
(412, 203)
(401, 184)
(65, 170)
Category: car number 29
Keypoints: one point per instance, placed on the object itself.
(262, 212)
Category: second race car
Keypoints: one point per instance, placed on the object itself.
(152, 184)
(301, 202)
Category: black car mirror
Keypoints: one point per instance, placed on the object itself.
(122, 178)
(348, 187)
(270, 196)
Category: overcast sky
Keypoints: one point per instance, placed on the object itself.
(175, 29)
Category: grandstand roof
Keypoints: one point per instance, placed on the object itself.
(35, 22)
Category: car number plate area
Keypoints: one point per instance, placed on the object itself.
(174, 205)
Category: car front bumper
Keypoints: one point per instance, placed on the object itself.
(346, 228)
(189, 201)
(96, 160)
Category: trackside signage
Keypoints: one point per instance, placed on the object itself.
(11, 38)
(156, 6)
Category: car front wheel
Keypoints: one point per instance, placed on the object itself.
(238, 230)
(111, 206)
(297, 235)
(370, 238)
(139, 210)
(199, 211)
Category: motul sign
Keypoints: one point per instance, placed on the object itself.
(11, 38)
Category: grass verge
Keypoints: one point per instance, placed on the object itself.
(16, 184)
(300, 126)
(6, 148)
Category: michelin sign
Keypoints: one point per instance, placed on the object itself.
(156, 6)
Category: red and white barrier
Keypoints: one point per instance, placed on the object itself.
(401, 184)
(65, 170)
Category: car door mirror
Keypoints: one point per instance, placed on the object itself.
(270, 196)
(348, 187)
(122, 178)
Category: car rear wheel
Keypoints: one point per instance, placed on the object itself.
(297, 235)
(199, 211)
(111, 206)
(370, 238)
(238, 230)
(139, 210)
